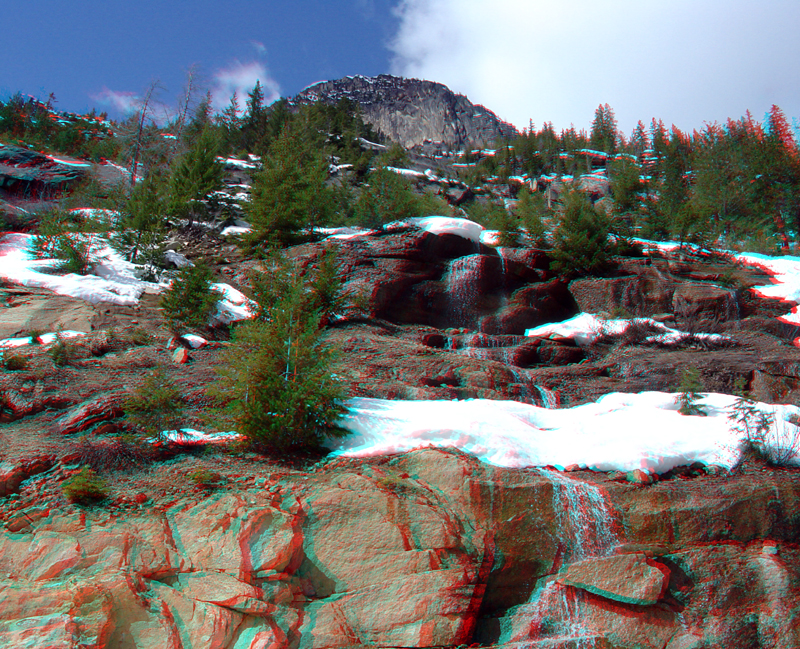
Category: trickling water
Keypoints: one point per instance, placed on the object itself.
(462, 289)
(588, 529)
(555, 615)
(549, 398)
(503, 268)
(584, 520)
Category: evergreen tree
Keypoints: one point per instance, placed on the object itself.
(141, 228)
(290, 194)
(190, 300)
(581, 240)
(386, 197)
(196, 175)
(625, 186)
(604, 130)
(530, 210)
(690, 389)
(640, 142)
(276, 380)
(201, 119)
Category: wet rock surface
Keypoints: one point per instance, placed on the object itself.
(428, 548)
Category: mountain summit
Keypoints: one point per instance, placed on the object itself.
(410, 111)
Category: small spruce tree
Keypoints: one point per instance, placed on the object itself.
(690, 389)
(276, 384)
(190, 300)
(196, 175)
(290, 194)
(581, 240)
(531, 209)
(141, 227)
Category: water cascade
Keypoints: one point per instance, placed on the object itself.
(463, 289)
(549, 398)
(587, 528)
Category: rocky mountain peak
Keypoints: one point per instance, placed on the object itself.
(410, 111)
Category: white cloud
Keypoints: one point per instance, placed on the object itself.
(123, 101)
(241, 78)
(684, 61)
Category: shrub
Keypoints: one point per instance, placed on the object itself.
(62, 352)
(689, 388)
(290, 194)
(204, 477)
(386, 197)
(141, 227)
(15, 362)
(34, 335)
(531, 210)
(61, 237)
(275, 384)
(140, 337)
(156, 405)
(762, 437)
(190, 300)
(84, 487)
(124, 452)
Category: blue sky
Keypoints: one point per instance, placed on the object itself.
(685, 61)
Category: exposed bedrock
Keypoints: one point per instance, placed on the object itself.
(429, 548)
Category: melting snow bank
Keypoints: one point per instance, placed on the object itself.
(618, 431)
(191, 437)
(585, 328)
(114, 282)
(115, 279)
(447, 225)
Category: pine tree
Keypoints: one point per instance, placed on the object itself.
(190, 300)
(141, 228)
(640, 142)
(385, 197)
(582, 242)
(690, 389)
(289, 195)
(604, 130)
(276, 381)
(196, 175)
(530, 210)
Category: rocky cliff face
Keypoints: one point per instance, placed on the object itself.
(430, 548)
(410, 111)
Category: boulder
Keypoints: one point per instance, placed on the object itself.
(627, 578)
(13, 474)
(704, 304)
(89, 414)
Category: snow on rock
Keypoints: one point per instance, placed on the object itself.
(342, 232)
(44, 339)
(490, 237)
(195, 341)
(785, 273)
(234, 305)
(585, 328)
(233, 163)
(448, 225)
(408, 173)
(190, 437)
(234, 229)
(617, 432)
(115, 280)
